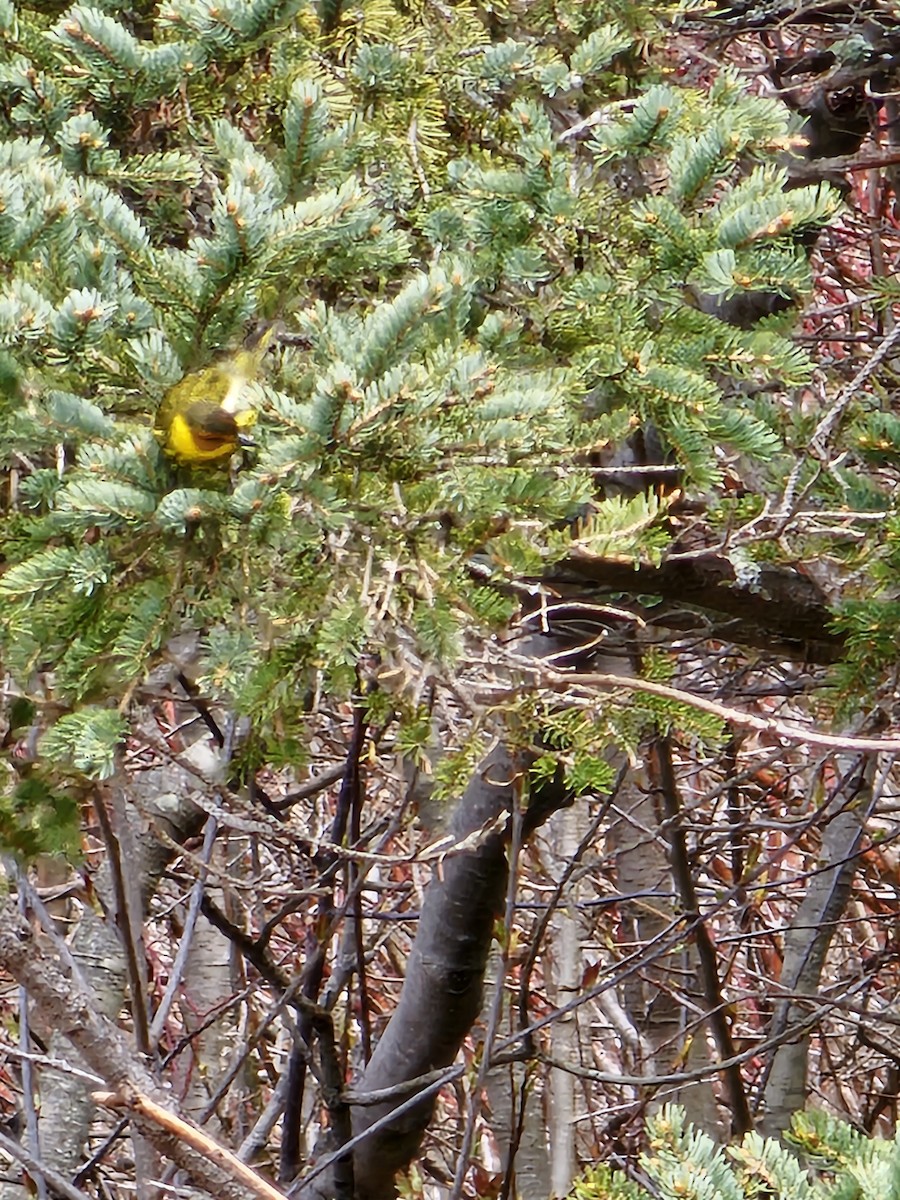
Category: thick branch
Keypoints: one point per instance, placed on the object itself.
(779, 609)
(65, 1006)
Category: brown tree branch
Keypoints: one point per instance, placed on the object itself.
(781, 607)
(572, 682)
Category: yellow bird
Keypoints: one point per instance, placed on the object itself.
(204, 418)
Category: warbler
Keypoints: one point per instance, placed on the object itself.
(205, 417)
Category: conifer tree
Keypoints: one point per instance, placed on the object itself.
(491, 246)
(169, 181)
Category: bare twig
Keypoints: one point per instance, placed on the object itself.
(319, 783)
(48, 925)
(329, 1161)
(821, 435)
(184, 948)
(50, 1064)
(742, 1120)
(265, 1123)
(349, 798)
(744, 720)
(537, 937)
(86, 1171)
(64, 1005)
(361, 1099)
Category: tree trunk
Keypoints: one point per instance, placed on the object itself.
(565, 969)
(651, 995)
(442, 991)
(506, 1091)
(806, 944)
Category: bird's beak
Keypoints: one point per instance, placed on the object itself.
(244, 439)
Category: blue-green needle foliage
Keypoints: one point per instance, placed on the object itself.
(451, 278)
(824, 1159)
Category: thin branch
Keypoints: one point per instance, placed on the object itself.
(319, 783)
(314, 970)
(50, 1064)
(318, 1020)
(821, 435)
(361, 1099)
(187, 937)
(679, 1078)
(212, 1015)
(390, 1117)
(245, 1050)
(85, 1172)
(136, 1102)
(537, 937)
(70, 1009)
(744, 720)
(265, 1122)
(354, 891)
(226, 744)
(669, 937)
(48, 925)
(126, 926)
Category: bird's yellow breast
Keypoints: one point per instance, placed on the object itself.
(195, 444)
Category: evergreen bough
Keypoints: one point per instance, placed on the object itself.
(823, 1159)
(454, 278)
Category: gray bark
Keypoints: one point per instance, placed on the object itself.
(565, 970)
(806, 945)
(63, 1003)
(207, 980)
(504, 1090)
(96, 945)
(651, 996)
(66, 1108)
